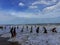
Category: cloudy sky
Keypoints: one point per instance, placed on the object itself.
(29, 11)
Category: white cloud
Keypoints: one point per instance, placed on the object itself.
(36, 4)
(5, 16)
(40, 2)
(52, 8)
(25, 17)
(21, 4)
(23, 14)
(33, 15)
(54, 0)
(48, 2)
(8, 16)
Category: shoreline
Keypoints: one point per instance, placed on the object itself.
(4, 41)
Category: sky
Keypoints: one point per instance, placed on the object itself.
(29, 11)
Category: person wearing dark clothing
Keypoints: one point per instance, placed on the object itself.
(26, 28)
(37, 30)
(54, 30)
(13, 32)
(1, 27)
(45, 30)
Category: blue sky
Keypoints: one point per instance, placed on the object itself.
(29, 11)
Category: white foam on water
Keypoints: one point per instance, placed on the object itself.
(12, 39)
(6, 35)
(41, 39)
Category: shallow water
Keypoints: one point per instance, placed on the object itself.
(3, 41)
(33, 38)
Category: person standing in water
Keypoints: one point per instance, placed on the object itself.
(45, 30)
(13, 32)
(37, 30)
(54, 30)
(22, 29)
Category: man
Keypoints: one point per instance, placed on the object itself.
(13, 32)
(45, 30)
(54, 30)
(37, 30)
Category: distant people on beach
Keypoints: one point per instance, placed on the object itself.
(1, 27)
(31, 30)
(5, 27)
(45, 30)
(26, 28)
(54, 30)
(13, 32)
(22, 29)
(37, 30)
(17, 27)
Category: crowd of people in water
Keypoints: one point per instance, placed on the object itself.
(13, 30)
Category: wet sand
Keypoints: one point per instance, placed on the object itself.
(3, 41)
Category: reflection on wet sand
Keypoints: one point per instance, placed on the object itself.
(14, 43)
(3, 41)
